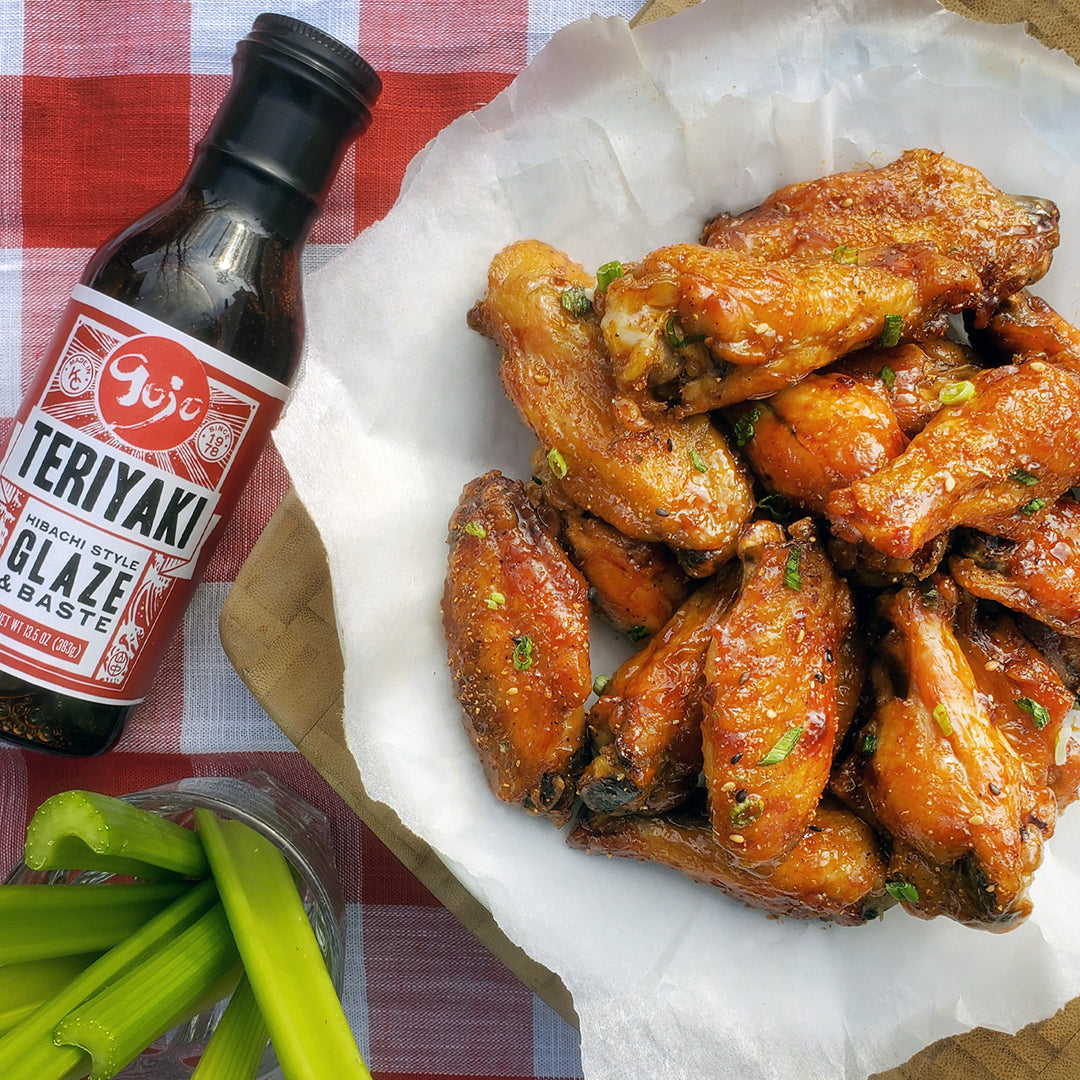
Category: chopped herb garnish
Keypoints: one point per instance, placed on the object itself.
(523, 652)
(1022, 476)
(504, 746)
(636, 633)
(783, 746)
(474, 528)
(891, 330)
(887, 376)
(845, 254)
(677, 338)
(777, 507)
(868, 745)
(1039, 716)
(1031, 507)
(928, 592)
(695, 460)
(600, 684)
(744, 426)
(575, 300)
(747, 811)
(496, 599)
(941, 715)
(608, 273)
(792, 576)
(902, 890)
(556, 463)
(955, 392)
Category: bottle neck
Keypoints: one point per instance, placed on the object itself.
(223, 177)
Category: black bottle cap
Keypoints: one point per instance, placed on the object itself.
(297, 100)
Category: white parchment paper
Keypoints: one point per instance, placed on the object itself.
(609, 144)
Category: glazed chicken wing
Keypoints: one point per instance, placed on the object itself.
(970, 464)
(1035, 570)
(515, 614)
(647, 723)
(1026, 324)
(835, 871)
(922, 197)
(770, 704)
(674, 481)
(702, 328)
(791, 439)
(935, 773)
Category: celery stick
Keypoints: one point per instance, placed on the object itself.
(27, 1051)
(24, 987)
(281, 956)
(82, 830)
(39, 921)
(235, 1050)
(115, 1026)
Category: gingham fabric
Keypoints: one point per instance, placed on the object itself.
(101, 103)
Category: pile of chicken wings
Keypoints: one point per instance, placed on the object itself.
(819, 469)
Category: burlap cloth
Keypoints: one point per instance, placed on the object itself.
(277, 628)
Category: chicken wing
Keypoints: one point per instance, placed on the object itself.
(770, 704)
(515, 614)
(1036, 570)
(701, 328)
(932, 770)
(971, 463)
(1028, 703)
(646, 724)
(1026, 324)
(791, 439)
(674, 481)
(835, 872)
(922, 197)
(634, 584)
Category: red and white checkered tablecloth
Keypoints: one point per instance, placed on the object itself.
(101, 103)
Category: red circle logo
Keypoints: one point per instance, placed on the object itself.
(153, 393)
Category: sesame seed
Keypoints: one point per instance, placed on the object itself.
(1037, 366)
(770, 713)
(949, 480)
(661, 512)
(512, 690)
(762, 328)
(736, 758)
(976, 819)
(541, 378)
(801, 635)
(736, 838)
(994, 789)
(740, 795)
(847, 204)
(992, 665)
(729, 786)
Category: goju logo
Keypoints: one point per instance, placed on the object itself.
(153, 393)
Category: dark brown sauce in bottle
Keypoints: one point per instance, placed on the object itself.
(220, 261)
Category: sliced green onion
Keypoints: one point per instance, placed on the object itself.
(495, 600)
(868, 745)
(746, 812)
(82, 830)
(236, 1047)
(902, 890)
(474, 528)
(792, 576)
(281, 955)
(777, 507)
(600, 684)
(1033, 506)
(28, 1051)
(575, 300)
(40, 921)
(744, 426)
(673, 332)
(25, 987)
(523, 652)
(556, 463)
(783, 747)
(845, 254)
(941, 716)
(1039, 716)
(637, 633)
(608, 273)
(1022, 476)
(955, 392)
(891, 331)
(887, 376)
(695, 460)
(198, 967)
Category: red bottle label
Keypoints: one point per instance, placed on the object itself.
(127, 454)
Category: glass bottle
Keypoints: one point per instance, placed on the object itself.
(158, 392)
